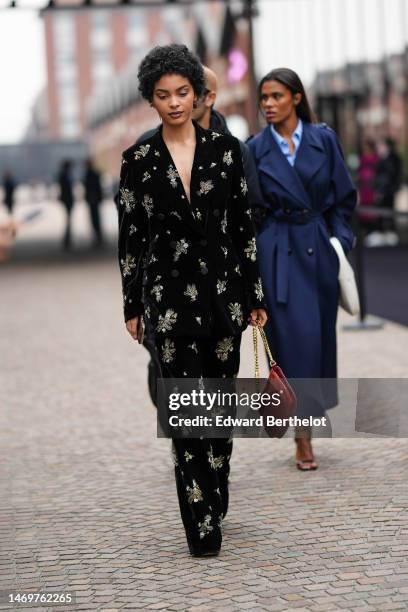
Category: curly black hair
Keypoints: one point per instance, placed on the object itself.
(170, 59)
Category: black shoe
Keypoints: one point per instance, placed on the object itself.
(203, 552)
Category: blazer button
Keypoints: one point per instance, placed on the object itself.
(287, 211)
(161, 216)
(203, 242)
(204, 271)
(174, 273)
(310, 251)
(216, 212)
(290, 251)
(173, 244)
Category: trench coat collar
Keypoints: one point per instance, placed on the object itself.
(203, 155)
(310, 157)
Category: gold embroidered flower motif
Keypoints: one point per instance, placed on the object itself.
(227, 159)
(142, 151)
(167, 321)
(237, 270)
(198, 214)
(198, 319)
(157, 291)
(175, 214)
(148, 204)
(221, 286)
(224, 222)
(146, 177)
(193, 347)
(250, 251)
(244, 186)
(157, 154)
(258, 289)
(127, 199)
(215, 462)
(181, 249)
(236, 312)
(213, 164)
(191, 292)
(215, 135)
(153, 258)
(168, 350)
(223, 175)
(172, 175)
(205, 187)
(147, 312)
(127, 265)
(205, 527)
(132, 230)
(188, 456)
(194, 493)
(224, 250)
(224, 347)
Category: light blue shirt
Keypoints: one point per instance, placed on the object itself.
(283, 145)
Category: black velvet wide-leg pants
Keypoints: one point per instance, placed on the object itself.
(201, 465)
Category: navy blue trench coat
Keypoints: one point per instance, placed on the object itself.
(304, 206)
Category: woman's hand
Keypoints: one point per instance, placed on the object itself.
(258, 317)
(135, 328)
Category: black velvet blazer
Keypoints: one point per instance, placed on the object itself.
(190, 268)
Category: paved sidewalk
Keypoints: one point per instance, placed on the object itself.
(88, 501)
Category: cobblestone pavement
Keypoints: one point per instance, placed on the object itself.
(88, 501)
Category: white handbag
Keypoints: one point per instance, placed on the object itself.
(348, 299)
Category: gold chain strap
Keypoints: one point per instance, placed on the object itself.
(266, 345)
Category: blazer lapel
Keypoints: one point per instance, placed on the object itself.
(273, 163)
(311, 154)
(173, 193)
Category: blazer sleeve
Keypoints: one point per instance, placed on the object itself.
(243, 233)
(345, 195)
(133, 240)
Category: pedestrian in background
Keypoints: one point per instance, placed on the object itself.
(187, 254)
(388, 183)
(93, 198)
(9, 186)
(366, 177)
(308, 197)
(66, 196)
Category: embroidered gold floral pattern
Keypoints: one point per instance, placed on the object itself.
(127, 199)
(181, 249)
(148, 204)
(172, 175)
(188, 456)
(142, 151)
(194, 493)
(168, 350)
(215, 462)
(205, 187)
(227, 159)
(157, 291)
(167, 321)
(221, 286)
(235, 309)
(191, 292)
(205, 527)
(258, 289)
(250, 251)
(224, 347)
(244, 186)
(127, 265)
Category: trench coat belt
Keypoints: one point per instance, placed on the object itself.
(292, 217)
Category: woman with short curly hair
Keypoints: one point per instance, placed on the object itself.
(188, 259)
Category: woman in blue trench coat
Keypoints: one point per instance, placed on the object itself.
(308, 197)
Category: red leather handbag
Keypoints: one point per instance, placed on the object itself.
(277, 383)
